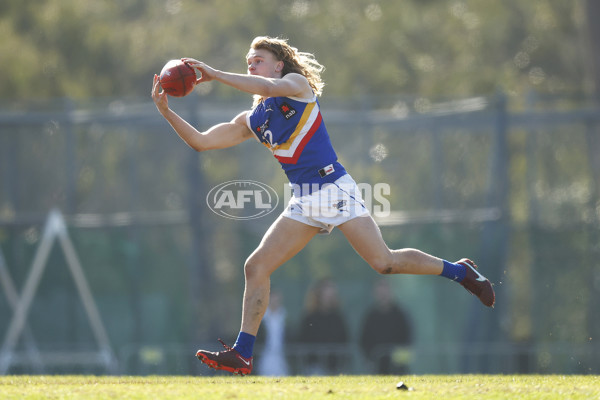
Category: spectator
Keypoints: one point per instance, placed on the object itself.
(323, 324)
(272, 361)
(386, 333)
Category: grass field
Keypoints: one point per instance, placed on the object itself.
(337, 387)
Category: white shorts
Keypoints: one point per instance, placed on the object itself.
(332, 205)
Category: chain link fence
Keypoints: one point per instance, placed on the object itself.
(518, 191)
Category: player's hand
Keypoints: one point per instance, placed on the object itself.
(159, 96)
(207, 73)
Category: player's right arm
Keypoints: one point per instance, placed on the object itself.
(217, 137)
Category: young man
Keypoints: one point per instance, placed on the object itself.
(286, 118)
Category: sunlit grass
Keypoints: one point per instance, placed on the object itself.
(335, 387)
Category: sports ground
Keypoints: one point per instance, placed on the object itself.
(445, 387)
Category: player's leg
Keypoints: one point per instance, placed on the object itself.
(364, 235)
(282, 241)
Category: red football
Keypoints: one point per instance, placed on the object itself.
(177, 78)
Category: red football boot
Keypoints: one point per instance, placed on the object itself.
(477, 284)
(229, 360)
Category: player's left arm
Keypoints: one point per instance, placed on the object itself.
(290, 85)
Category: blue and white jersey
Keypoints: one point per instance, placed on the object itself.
(294, 131)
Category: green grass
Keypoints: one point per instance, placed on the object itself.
(337, 387)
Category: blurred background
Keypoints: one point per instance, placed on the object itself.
(481, 116)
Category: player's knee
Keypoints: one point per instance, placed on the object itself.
(250, 268)
(253, 268)
(382, 265)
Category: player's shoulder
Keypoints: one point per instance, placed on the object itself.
(295, 76)
(305, 91)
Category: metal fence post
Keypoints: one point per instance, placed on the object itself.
(494, 239)
(201, 277)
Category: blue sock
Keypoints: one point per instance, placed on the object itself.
(245, 344)
(455, 272)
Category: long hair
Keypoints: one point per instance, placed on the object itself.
(293, 61)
